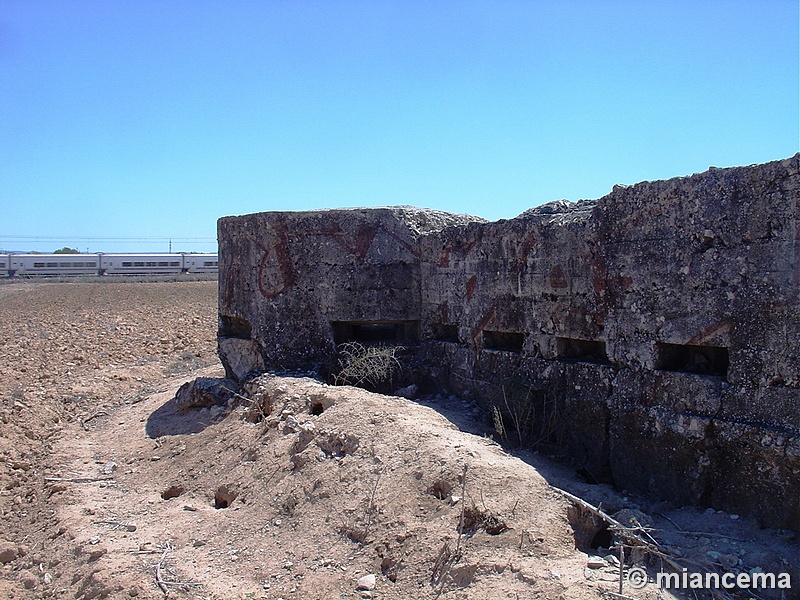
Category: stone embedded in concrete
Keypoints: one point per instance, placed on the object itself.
(657, 328)
(203, 392)
(239, 357)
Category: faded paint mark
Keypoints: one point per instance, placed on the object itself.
(359, 243)
(487, 318)
(275, 270)
(710, 332)
(463, 247)
(472, 283)
(526, 246)
(557, 278)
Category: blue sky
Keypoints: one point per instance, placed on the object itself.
(148, 120)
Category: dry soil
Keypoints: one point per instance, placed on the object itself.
(293, 489)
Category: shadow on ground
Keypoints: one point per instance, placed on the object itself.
(169, 420)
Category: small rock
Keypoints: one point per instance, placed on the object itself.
(307, 433)
(8, 552)
(27, 579)
(48, 579)
(96, 553)
(202, 392)
(367, 582)
(109, 467)
(729, 561)
(611, 559)
(633, 518)
(595, 562)
(410, 392)
(291, 424)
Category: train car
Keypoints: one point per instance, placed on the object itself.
(49, 265)
(200, 263)
(141, 264)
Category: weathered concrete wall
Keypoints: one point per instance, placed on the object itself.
(287, 278)
(656, 330)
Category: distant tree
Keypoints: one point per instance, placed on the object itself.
(67, 250)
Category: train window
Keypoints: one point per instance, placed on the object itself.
(52, 264)
(38, 265)
(210, 263)
(127, 264)
(138, 264)
(91, 264)
(174, 264)
(163, 264)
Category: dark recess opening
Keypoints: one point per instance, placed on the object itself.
(376, 332)
(172, 491)
(508, 341)
(445, 333)
(234, 327)
(685, 358)
(603, 538)
(591, 351)
(224, 497)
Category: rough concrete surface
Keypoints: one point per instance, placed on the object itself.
(651, 337)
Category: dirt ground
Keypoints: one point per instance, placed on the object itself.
(293, 489)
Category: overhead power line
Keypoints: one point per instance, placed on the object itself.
(133, 240)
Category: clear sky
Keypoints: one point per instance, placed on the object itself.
(150, 119)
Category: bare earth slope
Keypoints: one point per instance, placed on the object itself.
(108, 491)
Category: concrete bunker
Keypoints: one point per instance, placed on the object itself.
(661, 319)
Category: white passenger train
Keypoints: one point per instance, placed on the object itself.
(49, 265)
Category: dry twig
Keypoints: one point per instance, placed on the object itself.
(99, 413)
(79, 479)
